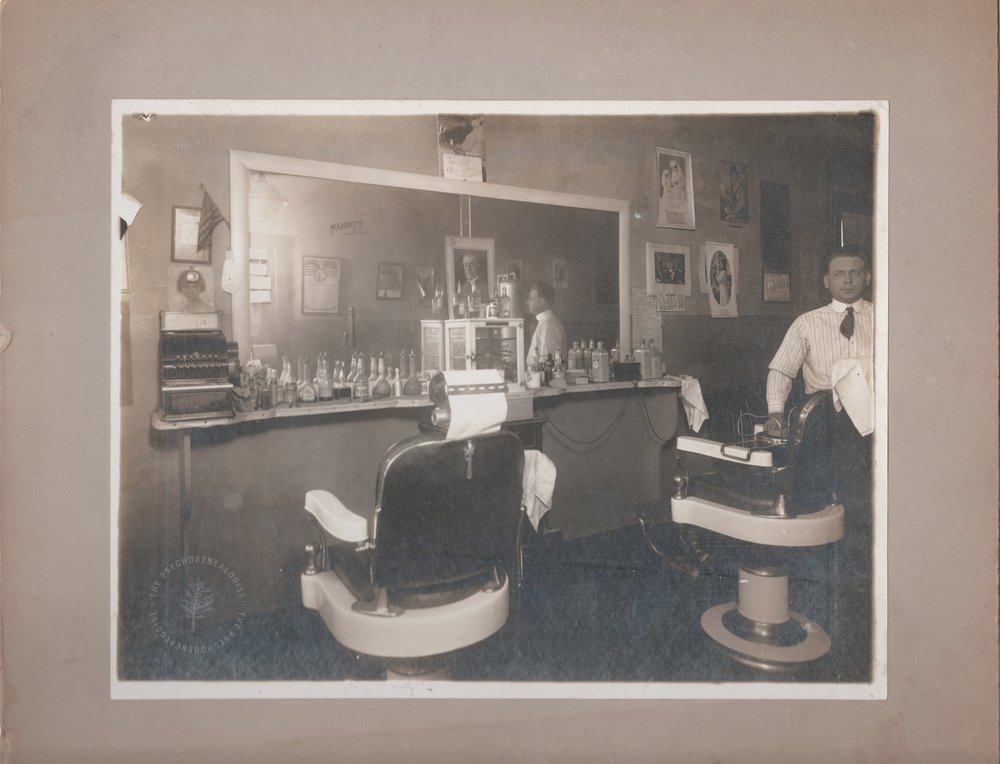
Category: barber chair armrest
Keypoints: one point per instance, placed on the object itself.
(725, 452)
(335, 518)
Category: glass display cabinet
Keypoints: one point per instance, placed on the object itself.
(432, 346)
(475, 343)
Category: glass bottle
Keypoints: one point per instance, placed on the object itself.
(437, 302)
(286, 382)
(601, 364)
(475, 301)
(588, 353)
(397, 384)
(306, 389)
(412, 384)
(361, 387)
(342, 380)
(381, 387)
(404, 364)
(323, 382)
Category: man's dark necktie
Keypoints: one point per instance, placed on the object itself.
(847, 325)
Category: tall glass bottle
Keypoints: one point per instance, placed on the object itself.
(306, 389)
(404, 365)
(475, 301)
(286, 382)
(412, 384)
(381, 388)
(323, 380)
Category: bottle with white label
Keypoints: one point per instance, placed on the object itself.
(600, 364)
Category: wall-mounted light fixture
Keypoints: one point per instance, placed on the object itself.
(265, 200)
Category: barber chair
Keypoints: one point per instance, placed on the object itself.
(772, 493)
(427, 576)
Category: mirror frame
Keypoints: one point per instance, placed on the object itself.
(243, 163)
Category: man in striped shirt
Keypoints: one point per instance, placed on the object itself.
(814, 343)
(818, 339)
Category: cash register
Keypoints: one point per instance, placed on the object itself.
(198, 367)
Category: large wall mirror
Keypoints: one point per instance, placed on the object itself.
(328, 238)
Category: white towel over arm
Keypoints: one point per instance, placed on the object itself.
(853, 391)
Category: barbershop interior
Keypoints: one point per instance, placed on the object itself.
(485, 398)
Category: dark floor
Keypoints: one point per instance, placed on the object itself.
(602, 608)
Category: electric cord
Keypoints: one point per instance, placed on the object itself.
(690, 568)
(649, 421)
(606, 432)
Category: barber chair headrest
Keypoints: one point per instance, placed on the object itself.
(469, 403)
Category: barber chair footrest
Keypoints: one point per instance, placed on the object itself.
(813, 529)
(763, 654)
(416, 632)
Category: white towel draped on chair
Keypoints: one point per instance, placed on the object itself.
(539, 481)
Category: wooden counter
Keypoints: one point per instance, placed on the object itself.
(242, 480)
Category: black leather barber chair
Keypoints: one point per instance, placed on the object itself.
(772, 493)
(428, 575)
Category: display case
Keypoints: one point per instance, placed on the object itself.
(486, 343)
(432, 346)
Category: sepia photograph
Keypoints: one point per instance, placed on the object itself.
(300, 509)
(372, 573)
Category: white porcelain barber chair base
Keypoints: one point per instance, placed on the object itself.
(759, 629)
(411, 634)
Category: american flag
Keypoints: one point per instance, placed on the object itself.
(211, 216)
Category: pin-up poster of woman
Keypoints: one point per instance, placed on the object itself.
(675, 188)
(720, 277)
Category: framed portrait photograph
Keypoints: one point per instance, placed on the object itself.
(675, 189)
(470, 265)
(560, 274)
(388, 281)
(184, 237)
(320, 285)
(668, 269)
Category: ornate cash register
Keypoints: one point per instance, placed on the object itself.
(198, 367)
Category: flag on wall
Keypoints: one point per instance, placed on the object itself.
(211, 216)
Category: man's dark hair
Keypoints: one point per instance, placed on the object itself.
(545, 291)
(845, 252)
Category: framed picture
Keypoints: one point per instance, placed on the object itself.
(734, 201)
(675, 189)
(425, 280)
(560, 274)
(388, 281)
(468, 262)
(320, 285)
(668, 269)
(515, 267)
(184, 237)
(720, 278)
